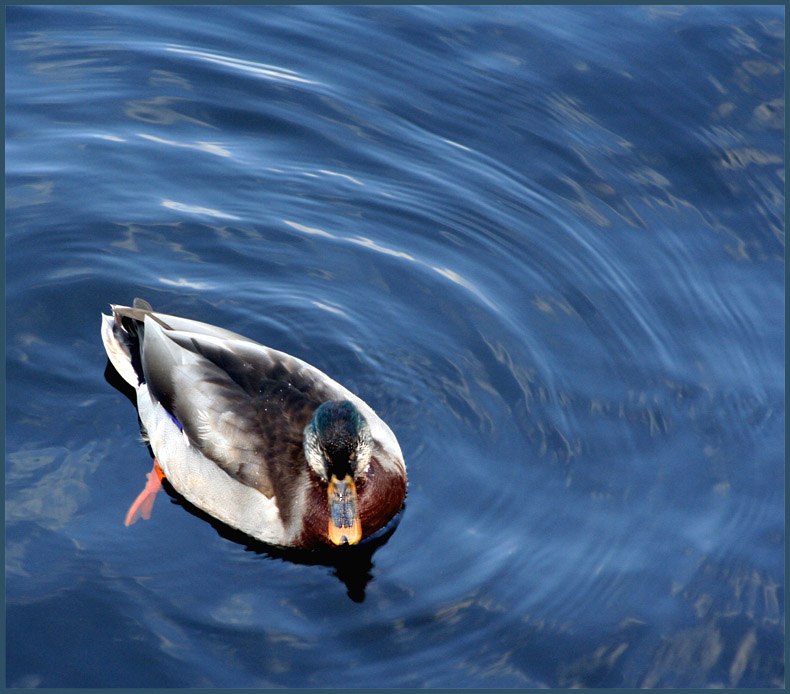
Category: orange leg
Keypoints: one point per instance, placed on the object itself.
(144, 503)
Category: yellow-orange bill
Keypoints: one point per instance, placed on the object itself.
(345, 526)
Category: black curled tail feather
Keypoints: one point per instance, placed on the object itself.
(122, 334)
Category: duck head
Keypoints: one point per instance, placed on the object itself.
(338, 447)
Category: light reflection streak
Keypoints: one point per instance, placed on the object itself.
(208, 147)
(271, 72)
(346, 176)
(455, 144)
(331, 309)
(445, 272)
(182, 282)
(193, 209)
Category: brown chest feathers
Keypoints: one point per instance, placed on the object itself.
(380, 496)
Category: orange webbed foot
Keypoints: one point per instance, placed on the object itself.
(144, 503)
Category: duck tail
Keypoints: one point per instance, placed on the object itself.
(122, 333)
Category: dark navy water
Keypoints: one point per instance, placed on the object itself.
(546, 244)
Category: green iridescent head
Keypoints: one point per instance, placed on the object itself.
(337, 440)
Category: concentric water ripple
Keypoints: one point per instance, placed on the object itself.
(545, 244)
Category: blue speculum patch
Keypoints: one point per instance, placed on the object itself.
(177, 423)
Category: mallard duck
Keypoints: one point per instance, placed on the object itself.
(256, 438)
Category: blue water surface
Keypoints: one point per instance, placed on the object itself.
(546, 244)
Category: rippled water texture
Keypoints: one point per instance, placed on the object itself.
(546, 244)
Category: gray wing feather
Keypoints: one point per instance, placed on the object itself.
(241, 404)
